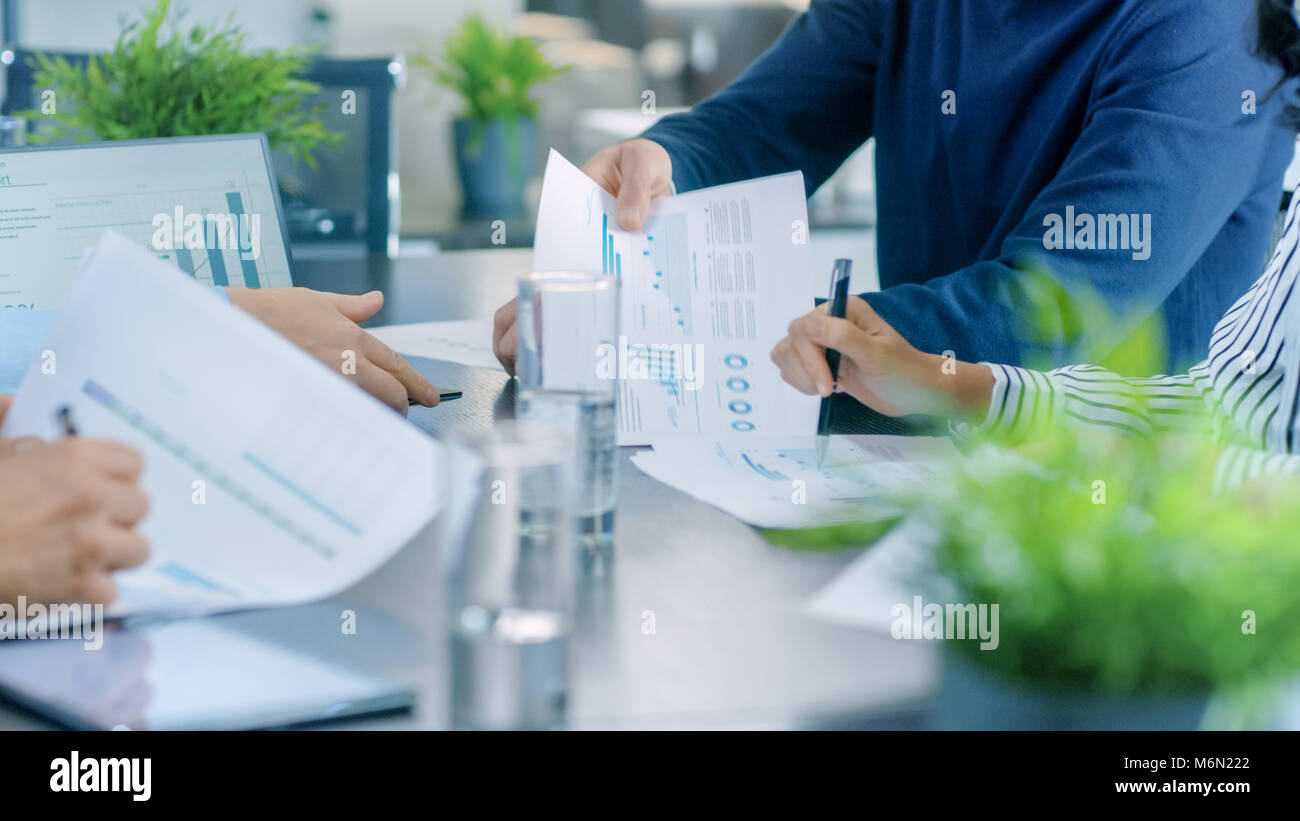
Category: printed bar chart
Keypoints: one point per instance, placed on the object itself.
(217, 263)
(178, 449)
(186, 260)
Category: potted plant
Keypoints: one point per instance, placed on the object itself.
(196, 82)
(494, 73)
(1130, 592)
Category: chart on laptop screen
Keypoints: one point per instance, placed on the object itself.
(206, 206)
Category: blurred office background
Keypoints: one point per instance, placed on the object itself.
(681, 50)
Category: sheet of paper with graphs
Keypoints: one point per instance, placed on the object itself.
(272, 480)
(706, 292)
(776, 481)
(707, 289)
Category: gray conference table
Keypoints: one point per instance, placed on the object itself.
(731, 646)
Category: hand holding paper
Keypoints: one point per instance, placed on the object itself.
(636, 172)
(272, 480)
(707, 291)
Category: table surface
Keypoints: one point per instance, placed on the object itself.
(731, 647)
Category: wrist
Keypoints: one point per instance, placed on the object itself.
(974, 387)
(959, 387)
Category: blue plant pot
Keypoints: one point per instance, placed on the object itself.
(973, 698)
(495, 160)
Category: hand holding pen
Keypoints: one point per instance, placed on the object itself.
(838, 304)
(72, 506)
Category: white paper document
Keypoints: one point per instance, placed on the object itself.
(775, 482)
(891, 572)
(707, 289)
(463, 341)
(271, 479)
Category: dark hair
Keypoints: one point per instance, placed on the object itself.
(1279, 43)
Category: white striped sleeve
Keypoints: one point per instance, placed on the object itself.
(1086, 396)
(1238, 464)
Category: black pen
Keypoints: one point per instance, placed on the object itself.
(839, 303)
(442, 397)
(64, 417)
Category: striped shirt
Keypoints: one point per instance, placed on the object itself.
(1244, 393)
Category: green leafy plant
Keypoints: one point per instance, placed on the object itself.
(828, 539)
(492, 71)
(1118, 569)
(186, 83)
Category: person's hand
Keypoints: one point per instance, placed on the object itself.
(325, 325)
(878, 367)
(505, 335)
(875, 360)
(636, 172)
(68, 516)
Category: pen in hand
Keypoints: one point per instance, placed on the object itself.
(63, 416)
(839, 304)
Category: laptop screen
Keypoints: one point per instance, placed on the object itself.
(207, 205)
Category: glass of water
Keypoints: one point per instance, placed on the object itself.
(13, 132)
(568, 376)
(509, 557)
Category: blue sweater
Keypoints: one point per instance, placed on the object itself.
(1102, 106)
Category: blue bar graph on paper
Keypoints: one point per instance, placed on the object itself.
(618, 264)
(249, 266)
(181, 451)
(669, 253)
(218, 265)
(293, 488)
(185, 260)
(604, 243)
(763, 471)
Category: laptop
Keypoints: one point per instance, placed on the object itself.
(208, 205)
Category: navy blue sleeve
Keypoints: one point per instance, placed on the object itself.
(805, 105)
(1166, 136)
